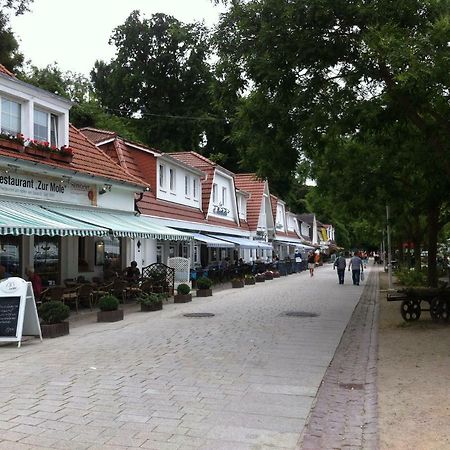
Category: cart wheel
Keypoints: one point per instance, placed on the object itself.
(410, 310)
(439, 310)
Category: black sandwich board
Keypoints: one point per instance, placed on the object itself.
(18, 313)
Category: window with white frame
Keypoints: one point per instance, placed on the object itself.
(195, 188)
(162, 176)
(224, 196)
(187, 185)
(214, 192)
(46, 127)
(10, 117)
(172, 179)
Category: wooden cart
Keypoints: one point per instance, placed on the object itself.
(413, 298)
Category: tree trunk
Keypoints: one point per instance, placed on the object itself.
(417, 255)
(433, 229)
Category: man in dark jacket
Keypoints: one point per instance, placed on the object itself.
(340, 264)
(357, 267)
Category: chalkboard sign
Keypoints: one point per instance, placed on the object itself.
(9, 315)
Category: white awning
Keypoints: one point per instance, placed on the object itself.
(212, 242)
(122, 224)
(244, 243)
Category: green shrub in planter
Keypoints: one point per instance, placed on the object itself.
(53, 312)
(183, 289)
(150, 299)
(108, 303)
(204, 283)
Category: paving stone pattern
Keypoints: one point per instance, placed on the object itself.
(243, 379)
(345, 412)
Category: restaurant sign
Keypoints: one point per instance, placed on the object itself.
(46, 188)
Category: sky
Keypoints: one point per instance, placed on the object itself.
(75, 33)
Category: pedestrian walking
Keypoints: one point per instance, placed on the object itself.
(311, 263)
(356, 265)
(340, 264)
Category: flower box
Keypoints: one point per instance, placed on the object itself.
(260, 278)
(62, 157)
(12, 144)
(250, 281)
(38, 152)
(182, 298)
(268, 275)
(54, 330)
(237, 284)
(110, 316)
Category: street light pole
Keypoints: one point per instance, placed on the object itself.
(388, 229)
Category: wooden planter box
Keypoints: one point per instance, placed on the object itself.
(237, 284)
(268, 275)
(182, 298)
(157, 306)
(204, 292)
(11, 144)
(38, 152)
(276, 274)
(249, 282)
(110, 316)
(54, 330)
(61, 157)
(260, 279)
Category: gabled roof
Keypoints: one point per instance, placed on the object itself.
(273, 203)
(87, 160)
(255, 186)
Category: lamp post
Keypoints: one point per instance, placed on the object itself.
(388, 229)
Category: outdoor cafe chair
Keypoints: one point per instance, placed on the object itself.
(54, 293)
(101, 290)
(85, 293)
(70, 295)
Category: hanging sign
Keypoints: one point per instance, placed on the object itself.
(18, 313)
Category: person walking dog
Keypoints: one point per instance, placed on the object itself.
(340, 264)
(357, 267)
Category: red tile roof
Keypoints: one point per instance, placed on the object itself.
(5, 71)
(96, 135)
(255, 186)
(87, 159)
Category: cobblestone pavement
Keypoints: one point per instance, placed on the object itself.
(243, 379)
(345, 412)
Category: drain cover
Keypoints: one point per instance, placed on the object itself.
(352, 386)
(199, 315)
(299, 314)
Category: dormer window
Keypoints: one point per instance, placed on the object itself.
(162, 179)
(195, 188)
(46, 127)
(187, 186)
(224, 196)
(172, 179)
(10, 119)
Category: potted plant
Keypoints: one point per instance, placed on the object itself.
(204, 287)
(249, 279)
(183, 294)
(53, 315)
(150, 302)
(237, 283)
(260, 278)
(276, 274)
(109, 309)
(268, 274)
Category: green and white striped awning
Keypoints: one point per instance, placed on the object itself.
(123, 224)
(20, 218)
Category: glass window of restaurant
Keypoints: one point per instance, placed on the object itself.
(11, 255)
(113, 253)
(47, 257)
